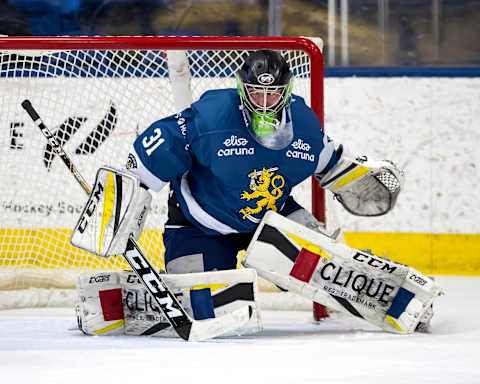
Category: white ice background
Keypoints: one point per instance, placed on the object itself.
(39, 346)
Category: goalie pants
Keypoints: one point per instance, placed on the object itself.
(188, 249)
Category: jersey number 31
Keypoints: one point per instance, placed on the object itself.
(152, 142)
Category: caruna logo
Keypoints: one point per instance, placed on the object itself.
(235, 146)
(300, 151)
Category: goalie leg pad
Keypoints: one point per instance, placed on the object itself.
(113, 303)
(203, 295)
(99, 307)
(389, 295)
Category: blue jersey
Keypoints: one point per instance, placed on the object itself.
(223, 179)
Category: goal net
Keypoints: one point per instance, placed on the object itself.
(96, 95)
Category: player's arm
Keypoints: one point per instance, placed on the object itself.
(162, 152)
(364, 187)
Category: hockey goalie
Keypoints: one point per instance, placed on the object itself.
(231, 160)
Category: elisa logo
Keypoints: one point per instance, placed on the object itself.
(301, 145)
(234, 141)
(300, 151)
(235, 146)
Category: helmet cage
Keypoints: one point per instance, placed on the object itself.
(264, 99)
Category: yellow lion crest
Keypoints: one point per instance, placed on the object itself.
(266, 187)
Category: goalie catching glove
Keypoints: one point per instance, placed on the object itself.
(364, 187)
(116, 208)
(389, 295)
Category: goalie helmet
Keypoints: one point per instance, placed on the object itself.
(265, 84)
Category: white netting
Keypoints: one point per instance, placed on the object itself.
(96, 102)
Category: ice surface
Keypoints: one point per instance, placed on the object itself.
(38, 346)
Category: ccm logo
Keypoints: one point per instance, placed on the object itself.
(90, 208)
(154, 285)
(418, 280)
(374, 262)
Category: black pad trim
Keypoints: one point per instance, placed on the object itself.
(156, 328)
(348, 169)
(119, 192)
(240, 291)
(274, 237)
(349, 307)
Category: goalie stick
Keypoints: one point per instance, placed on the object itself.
(186, 327)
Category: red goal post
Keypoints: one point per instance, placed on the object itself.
(88, 89)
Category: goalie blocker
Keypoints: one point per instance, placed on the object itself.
(116, 209)
(389, 295)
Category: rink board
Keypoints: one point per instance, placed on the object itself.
(431, 253)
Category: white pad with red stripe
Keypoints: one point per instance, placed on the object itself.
(99, 307)
(112, 303)
(387, 294)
